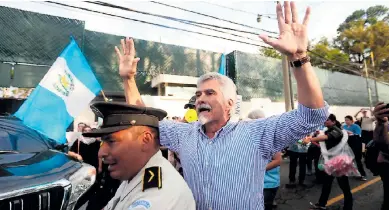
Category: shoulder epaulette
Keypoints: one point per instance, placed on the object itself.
(152, 178)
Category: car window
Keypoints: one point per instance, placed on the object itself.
(18, 141)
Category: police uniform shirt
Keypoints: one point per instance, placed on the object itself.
(172, 194)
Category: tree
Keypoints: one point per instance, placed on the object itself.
(270, 52)
(373, 38)
(322, 51)
(370, 16)
(356, 33)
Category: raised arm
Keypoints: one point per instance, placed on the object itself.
(293, 42)
(275, 133)
(127, 70)
(356, 114)
(170, 132)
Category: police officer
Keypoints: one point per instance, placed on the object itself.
(131, 150)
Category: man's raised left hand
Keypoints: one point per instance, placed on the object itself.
(293, 38)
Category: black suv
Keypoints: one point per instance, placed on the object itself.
(34, 174)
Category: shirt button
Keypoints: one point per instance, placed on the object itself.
(210, 142)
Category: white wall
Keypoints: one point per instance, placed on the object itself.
(174, 106)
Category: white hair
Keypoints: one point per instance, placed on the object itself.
(228, 87)
(256, 114)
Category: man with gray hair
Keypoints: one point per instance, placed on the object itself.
(219, 178)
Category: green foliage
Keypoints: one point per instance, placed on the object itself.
(269, 52)
(364, 29)
(323, 50)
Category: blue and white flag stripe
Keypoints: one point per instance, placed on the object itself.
(64, 92)
(222, 68)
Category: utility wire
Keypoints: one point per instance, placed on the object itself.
(156, 24)
(346, 68)
(188, 22)
(335, 64)
(164, 26)
(173, 18)
(243, 11)
(214, 17)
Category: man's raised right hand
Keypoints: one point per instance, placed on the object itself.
(126, 58)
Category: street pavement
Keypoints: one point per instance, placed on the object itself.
(368, 196)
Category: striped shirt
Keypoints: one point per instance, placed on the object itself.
(227, 171)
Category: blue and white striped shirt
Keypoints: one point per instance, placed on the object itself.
(227, 171)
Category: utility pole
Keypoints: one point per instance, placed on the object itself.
(374, 75)
(291, 88)
(287, 85)
(367, 84)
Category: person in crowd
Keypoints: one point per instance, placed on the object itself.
(381, 138)
(366, 124)
(297, 153)
(86, 149)
(131, 149)
(190, 117)
(332, 136)
(310, 157)
(220, 157)
(313, 155)
(80, 126)
(272, 175)
(355, 142)
(191, 114)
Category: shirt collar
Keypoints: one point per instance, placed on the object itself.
(224, 130)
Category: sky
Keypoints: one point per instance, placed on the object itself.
(325, 19)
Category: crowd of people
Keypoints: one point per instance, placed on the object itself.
(225, 164)
(301, 154)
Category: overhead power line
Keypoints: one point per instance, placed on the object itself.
(156, 24)
(243, 11)
(214, 17)
(333, 63)
(188, 22)
(174, 28)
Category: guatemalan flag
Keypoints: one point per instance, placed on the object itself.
(64, 92)
(222, 68)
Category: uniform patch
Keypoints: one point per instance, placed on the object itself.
(140, 204)
(152, 178)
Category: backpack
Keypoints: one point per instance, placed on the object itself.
(372, 152)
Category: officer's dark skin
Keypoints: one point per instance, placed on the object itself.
(127, 151)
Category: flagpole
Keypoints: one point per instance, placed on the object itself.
(102, 93)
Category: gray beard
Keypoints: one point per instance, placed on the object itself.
(203, 120)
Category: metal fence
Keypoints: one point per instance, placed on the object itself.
(30, 42)
(37, 39)
(261, 77)
(156, 58)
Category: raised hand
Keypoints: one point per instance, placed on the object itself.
(381, 112)
(293, 39)
(126, 58)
